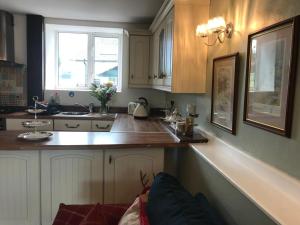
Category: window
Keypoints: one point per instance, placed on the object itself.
(77, 57)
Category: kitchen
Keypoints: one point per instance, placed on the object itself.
(148, 145)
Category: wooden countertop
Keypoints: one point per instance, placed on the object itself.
(126, 123)
(90, 140)
(126, 132)
(90, 116)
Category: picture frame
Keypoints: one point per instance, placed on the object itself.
(225, 92)
(270, 77)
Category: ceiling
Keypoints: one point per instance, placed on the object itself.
(132, 11)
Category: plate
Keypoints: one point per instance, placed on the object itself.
(35, 136)
(35, 111)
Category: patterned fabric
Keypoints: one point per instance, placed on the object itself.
(71, 214)
(105, 215)
(143, 214)
(136, 213)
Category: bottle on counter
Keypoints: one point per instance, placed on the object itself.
(57, 98)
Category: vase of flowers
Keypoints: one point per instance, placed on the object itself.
(104, 93)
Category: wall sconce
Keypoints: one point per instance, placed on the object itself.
(216, 27)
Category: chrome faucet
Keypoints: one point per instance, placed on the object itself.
(90, 109)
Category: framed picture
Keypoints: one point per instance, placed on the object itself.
(224, 92)
(270, 77)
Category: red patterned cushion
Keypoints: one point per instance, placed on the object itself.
(143, 214)
(136, 213)
(114, 212)
(71, 214)
(105, 215)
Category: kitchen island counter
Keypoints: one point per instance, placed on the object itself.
(126, 132)
(90, 140)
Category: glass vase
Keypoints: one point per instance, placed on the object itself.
(103, 108)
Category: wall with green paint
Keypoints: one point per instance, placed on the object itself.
(280, 152)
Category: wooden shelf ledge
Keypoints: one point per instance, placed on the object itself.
(276, 193)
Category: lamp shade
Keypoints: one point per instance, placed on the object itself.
(216, 24)
(201, 30)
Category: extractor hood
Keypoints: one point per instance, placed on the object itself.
(7, 48)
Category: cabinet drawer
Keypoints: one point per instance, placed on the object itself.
(72, 125)
(18, 124)
(101, 125)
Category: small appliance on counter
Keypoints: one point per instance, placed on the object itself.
(131, 107)
(141, 111)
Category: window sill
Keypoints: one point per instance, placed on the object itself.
(74, 90)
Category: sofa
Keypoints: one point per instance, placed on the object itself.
(166, 202)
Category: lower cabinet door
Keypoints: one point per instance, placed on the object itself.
(18, 124)
(102, 126)
(72, 125)
(123, 169)
(70, 177)
(19, 188)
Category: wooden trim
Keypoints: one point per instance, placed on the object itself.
(140, 33)
(295, 22)
(162, 13)
(235, 94)
(162, 88)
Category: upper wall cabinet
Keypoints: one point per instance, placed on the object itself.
(139, 51)
(177, 57)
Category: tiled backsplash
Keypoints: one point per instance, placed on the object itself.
(12, 84)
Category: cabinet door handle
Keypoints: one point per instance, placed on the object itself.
(162, 76)
(72, 127)
(149, 77)
(131, 76)
(105, 127)
(110, 159)
(154, 76)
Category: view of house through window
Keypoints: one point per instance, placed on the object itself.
(81, 58)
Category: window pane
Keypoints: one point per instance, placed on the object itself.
(106, 72)
(106, 59)
(106, 49)
(72, 64)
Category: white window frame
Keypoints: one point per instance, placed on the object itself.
(107, 33)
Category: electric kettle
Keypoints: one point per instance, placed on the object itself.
(141, 110)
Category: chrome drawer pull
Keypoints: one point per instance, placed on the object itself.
(72, 127)
(99, 127)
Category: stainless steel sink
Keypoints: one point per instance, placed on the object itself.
(75, 113)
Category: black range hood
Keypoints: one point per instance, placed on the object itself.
(7, 48)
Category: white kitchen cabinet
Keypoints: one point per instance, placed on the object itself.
(102, 126)
(122, 172)
(72, 125)
(161, 55)
(168, 48)
(70, 177)
(19, 188)
(139, 61)
(181, 55)
(18, 124)
(156, 58)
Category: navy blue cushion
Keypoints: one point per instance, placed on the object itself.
(170, 204)
(204, 204)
